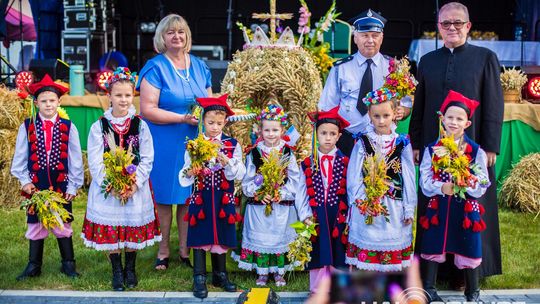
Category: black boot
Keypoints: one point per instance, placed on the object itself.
(199, 274)
(117, 271)
(68, 257)
(35, 259)
(472, 285)
(219, 273)
(429, 279)
(129, 271)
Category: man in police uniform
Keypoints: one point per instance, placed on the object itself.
(353, 77)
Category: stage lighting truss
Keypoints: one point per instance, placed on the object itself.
(534, 87)
(23, 79)
(148, 27)
(102, 78)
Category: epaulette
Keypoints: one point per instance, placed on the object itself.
(387, 57)
(343, 60)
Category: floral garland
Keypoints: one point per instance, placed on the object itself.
(400, 79)
(49, 206)
(271, 177)
(377, 184)
(274, 113)
(379, 96)
(447, 157)
(300, 249)
(121, 73)
(203, 154)
(120, 172)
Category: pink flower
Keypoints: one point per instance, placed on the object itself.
(362, 256)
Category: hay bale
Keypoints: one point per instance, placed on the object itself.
(521, 190)
(12, 109)
(9, 186)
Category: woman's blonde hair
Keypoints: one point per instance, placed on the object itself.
(175, 22)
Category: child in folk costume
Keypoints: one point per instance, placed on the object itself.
(267, 219)
(48, 156)
(452, 221)
(323, 187)
(211, 214)
(382, 191)
(120, 220)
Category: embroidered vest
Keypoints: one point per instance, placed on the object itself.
(131, 136)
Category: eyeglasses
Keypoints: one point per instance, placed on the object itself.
(457, 24)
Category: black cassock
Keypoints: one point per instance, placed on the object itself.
(474, 72)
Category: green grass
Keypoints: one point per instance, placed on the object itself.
(520, 240)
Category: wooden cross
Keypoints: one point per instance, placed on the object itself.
(272, 16)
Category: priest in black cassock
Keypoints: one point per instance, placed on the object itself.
(474, 72)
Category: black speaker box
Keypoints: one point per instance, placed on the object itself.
(53, 67)
(218, 68)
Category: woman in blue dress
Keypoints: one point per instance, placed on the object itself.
(169, 84)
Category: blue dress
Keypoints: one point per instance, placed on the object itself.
(176, 95)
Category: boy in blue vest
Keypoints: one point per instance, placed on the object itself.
(48, 156)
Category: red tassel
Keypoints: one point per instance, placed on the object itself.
(61, 177)
(239, 217)
(35, 179)
(192, 221)
(482, 209)
(224, 185)
(435, 220)
(435, 204)
(309, 182)
(35, 166)
(63, 155)
(311, 191)
(34, 157)
(32, 138)
(424, 222)
(468, 207)
(201, 215)
(225, 200)
(343, 239)
(466, 223)
(60, 167)
(198, 200)
(313, 202)
(63, 127)
(186, 217)
(231, 219)
(63, 147)
(222, 214)
(477, 227)
(64, 138)
(31, 128)
(33, 147)
(342, 206)
(335, 232)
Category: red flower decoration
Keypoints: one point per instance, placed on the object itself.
(22, 94)
(311, 191)
(309, 182)
(63, 127)
(32, 138)
(31, 127)
(64, 138)
(225, 200)
(307, 161)
(308, 172)
(63, 155)
(35, 167)
(63, 147)
(313, 202)
(468, 207)
(33, 147)
(60, 167)
(286, 138)
(224, 185)
(34, 157)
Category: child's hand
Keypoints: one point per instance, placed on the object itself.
(408, 221)
(223, 159)
(267, 199)
(448, 188)
(400, 113)
(188, 172)
(69, 197)
(308, 221)
(29, 188)
(190, 120)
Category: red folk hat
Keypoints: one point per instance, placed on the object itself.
(213, 103)
(47, 82)
(329, 115)
(456, 99)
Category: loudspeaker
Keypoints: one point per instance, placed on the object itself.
(218, 68)
(53, 67)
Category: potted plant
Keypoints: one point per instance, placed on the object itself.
(512, 81)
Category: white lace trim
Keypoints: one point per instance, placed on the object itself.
(121, 221)
(260, 271)
(273, 250)
(383, 247)
(120, 245)
(119, 120)
(378, 267)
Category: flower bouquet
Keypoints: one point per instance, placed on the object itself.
(448, 158)
(119, 170)
(203, 154)
(49, 206)
(301, 247)
(377, 183)
(271, 177)
(400, 79)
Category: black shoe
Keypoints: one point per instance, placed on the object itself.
(472, 285)
(35, 259)
(219, 273)
(129, 271)
(199, 274)
(68, 257)
(429, 279)
(117, 271)
(186, 262)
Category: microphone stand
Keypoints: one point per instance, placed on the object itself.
(229, 29)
